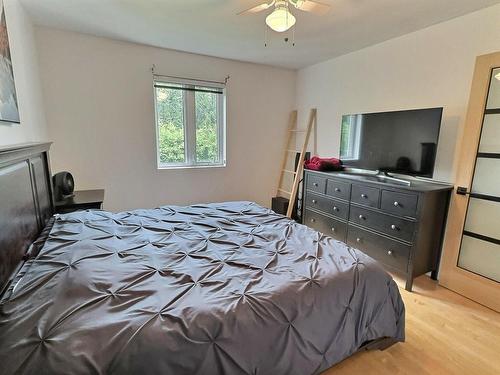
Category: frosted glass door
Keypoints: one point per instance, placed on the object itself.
(480, 247)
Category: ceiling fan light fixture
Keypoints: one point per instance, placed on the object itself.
(497, 76)
(281, 19)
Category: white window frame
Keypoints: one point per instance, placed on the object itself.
(190, 123)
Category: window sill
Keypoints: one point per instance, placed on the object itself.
(167, 167)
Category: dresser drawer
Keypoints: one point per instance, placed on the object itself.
(326, 225)
(316, 183)
(390, 225)
(338, 189)
(399, 203)
(327, 205)
(389, 252)
(365, 195)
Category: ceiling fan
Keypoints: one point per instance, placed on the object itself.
(281, 19)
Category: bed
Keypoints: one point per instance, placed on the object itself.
(224, 288)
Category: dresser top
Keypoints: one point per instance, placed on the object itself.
(82, 197)
(416, 184)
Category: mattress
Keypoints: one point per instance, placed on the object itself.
(227, 288)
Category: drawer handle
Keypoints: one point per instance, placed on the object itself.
(315, 184)
(358, 239)
(393, 227)
(389, 252)
(362, 217)
(337, 190)
(313, 220)
(396, 204)
(314, 201)
(335, 208)
(333, 229)
(364, 196)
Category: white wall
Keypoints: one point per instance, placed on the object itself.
(26, 75)
(429, 68)
(99, 105)
(98, 100)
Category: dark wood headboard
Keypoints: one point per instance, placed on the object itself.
(26, 202)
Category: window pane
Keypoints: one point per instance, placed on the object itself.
(494, 94)
(170, 115)
(486, 177)
(483, 217)
(207, 145)
(481, 257)
(490, 135)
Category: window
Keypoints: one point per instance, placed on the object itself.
(190, 123)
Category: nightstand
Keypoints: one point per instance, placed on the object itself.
(82, 200)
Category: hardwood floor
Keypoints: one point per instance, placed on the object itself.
(445, 334)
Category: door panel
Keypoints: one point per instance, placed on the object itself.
(486, 178)
(483, 217)
(494, 91)
(480, 248)
(481, 257)
(490, 136)
(471, 252)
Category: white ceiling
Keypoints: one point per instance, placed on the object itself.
(211, 27)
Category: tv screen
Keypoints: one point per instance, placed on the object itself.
(400, 142)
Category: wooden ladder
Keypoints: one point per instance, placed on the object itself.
(289, 158)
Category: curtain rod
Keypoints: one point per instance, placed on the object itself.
(189, 79)
(189, 89)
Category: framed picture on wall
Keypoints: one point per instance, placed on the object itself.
(9, 111)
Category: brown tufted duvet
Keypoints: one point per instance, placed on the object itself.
(228, 288)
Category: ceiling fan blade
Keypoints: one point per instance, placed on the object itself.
(257, 9)
(313, 6)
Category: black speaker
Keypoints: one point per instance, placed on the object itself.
(64, 185)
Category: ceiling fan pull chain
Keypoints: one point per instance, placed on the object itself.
(293, 36)
(265, 37)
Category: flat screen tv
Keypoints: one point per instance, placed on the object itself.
(399, 142)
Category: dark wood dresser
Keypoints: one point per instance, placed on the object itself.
(400, 226)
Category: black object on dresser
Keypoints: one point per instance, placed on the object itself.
(81, 200)
(64, 185)
(280, 205)
(401, 226)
